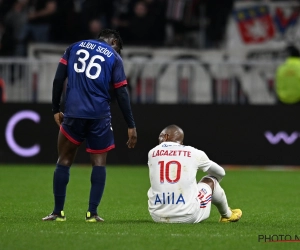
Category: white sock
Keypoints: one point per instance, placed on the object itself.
(219, 199)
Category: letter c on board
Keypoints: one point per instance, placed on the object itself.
(9, 133)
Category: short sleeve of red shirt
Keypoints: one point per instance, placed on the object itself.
(118, 74)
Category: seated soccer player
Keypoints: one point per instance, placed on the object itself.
(174, 195)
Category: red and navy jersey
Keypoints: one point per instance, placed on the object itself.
(92, 67)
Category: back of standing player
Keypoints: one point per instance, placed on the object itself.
(92, 67)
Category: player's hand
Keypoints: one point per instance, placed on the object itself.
(58, 118)
(132, 137)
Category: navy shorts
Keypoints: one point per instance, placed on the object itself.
(98, 133)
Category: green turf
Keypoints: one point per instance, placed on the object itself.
(269, 200)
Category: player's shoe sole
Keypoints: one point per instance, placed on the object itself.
(55, 217)
(93, 218)
(235, 216)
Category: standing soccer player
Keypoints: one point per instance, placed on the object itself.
(174, 195)
(91, 66)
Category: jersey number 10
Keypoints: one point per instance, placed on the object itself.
(165, 171)
(87, 68)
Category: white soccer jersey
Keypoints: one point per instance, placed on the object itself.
(172, 171)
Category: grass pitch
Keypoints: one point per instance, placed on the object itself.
(269, 200)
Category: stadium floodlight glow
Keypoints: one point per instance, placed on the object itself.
(9, 133)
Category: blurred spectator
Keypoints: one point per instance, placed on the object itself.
(5, 6)
(157, 10)
(64, 24)
(194, 23)
(95, 9)
(140, 22)
(2, 91)
(39, 17)
(123, 11)
(95, 26)
(288, 78)
(217, 14)
(6, 36)
(175, 26)
(6, 41)
(141, 27)
(71, 19)
(183, 22)
(15, 22)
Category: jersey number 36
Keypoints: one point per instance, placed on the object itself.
(92, 64)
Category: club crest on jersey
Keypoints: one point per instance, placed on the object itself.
(204, 190)
(169, 198)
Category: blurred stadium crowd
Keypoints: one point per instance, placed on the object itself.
(156, 23)
(198, 24)
(140, 22)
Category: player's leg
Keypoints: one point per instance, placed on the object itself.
(66, 154)
(98, 179)
(204, 195)
(67, 147)
(99, 141)
(219, 199)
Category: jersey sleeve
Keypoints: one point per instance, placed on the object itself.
(208, 166)
(149, 153)
(216, 171)
(65, 58)
(118, 74)
(202, 160)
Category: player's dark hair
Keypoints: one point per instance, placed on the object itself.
(109, 33)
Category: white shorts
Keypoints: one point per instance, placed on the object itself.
(204, 196)
(200, 210)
